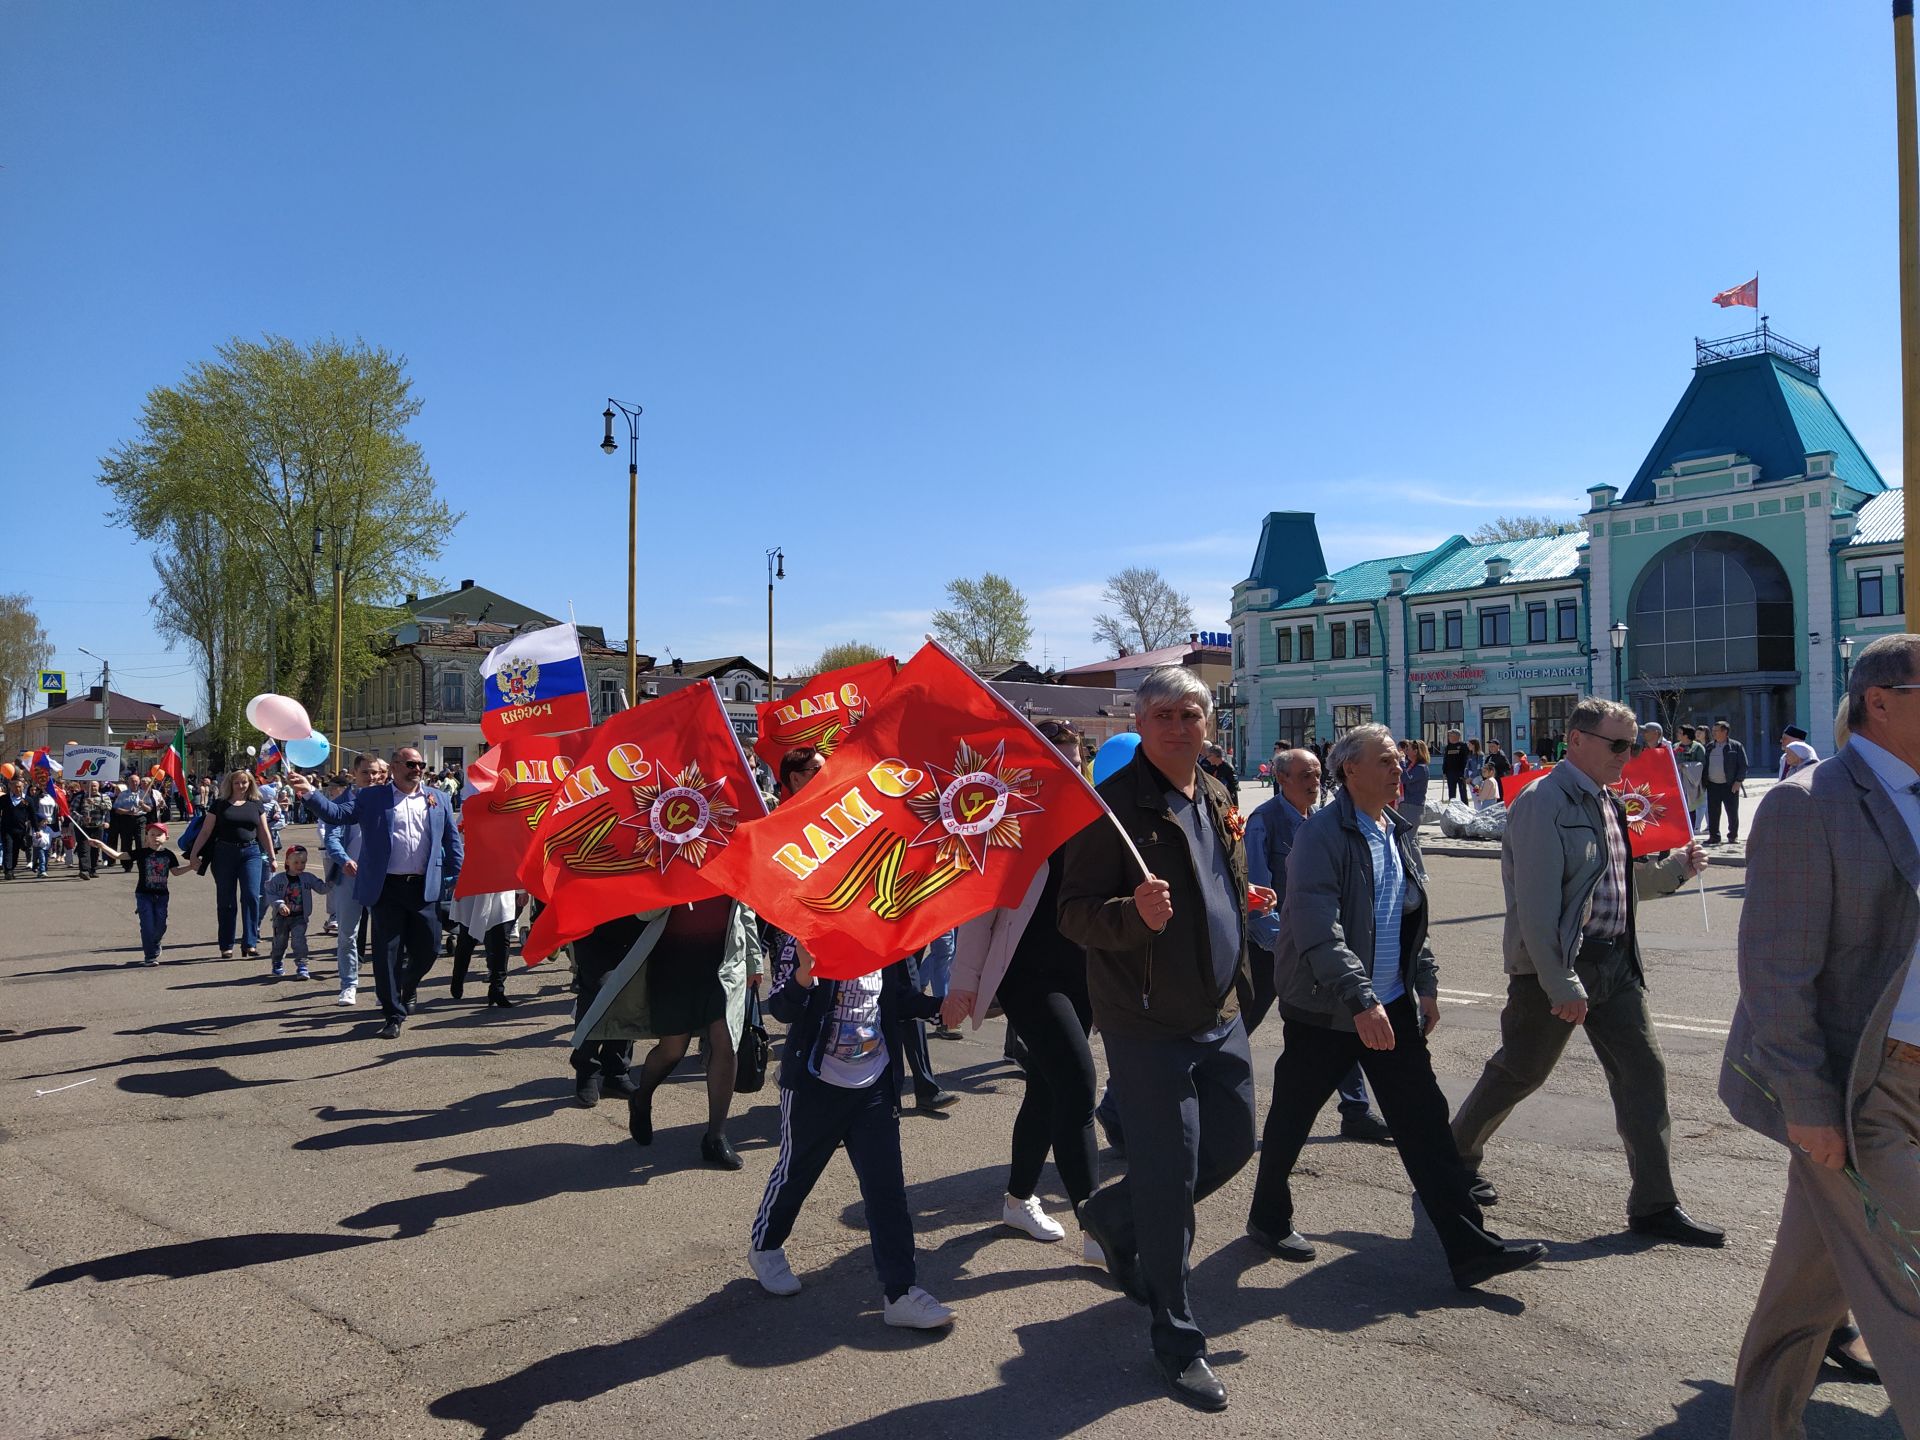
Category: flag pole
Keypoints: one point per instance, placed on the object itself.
(1909, 173)
(720, 704)
(1086, 784)
(1680, 788)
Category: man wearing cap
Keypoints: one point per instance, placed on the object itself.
(1795, 751)
(1726, 775)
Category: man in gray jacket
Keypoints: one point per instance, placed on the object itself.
(1824, 1055)
(1358, 983)
(1572, 958)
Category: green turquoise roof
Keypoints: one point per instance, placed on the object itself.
(1547, 557)
(1289, 554)
(1368, 579)
(1765, 408)
(1881, 521)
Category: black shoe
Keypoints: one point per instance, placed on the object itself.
(640, 1117)
(1290, 1246)
(1713, 839)
(1369, 1128)
(586, 1090)
(390, 1030)
(1483, 1193)
(621, 1084)
(1503, 1261)
(1837, 1355)
(1122, 1265)
(457, 987)
(1676, 1225)
(497, 999)
(718, 1151)
(934, 1100)
(1192, 1382)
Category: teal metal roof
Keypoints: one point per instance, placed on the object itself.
(1881, 521)
(1765, 408)
(1368, 579)
(1547, 557)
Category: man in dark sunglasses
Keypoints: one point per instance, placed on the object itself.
(1572, 959)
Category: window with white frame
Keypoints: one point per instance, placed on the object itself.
(1496, 626)
(1363, 638)
(1569, 616)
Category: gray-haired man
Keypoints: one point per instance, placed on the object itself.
(1572, 958)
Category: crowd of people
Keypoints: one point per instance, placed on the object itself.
(1317, 906)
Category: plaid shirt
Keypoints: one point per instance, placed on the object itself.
(1608, 918)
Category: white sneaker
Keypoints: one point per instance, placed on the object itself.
(1027, 1216)
(917, 1310)
(349, 995)
(1091, 1252)
(770, 1268)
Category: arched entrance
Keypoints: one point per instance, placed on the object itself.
(1712, 635)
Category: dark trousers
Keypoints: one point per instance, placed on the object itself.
(152, 910)
(406, 938)
(1188, 1110)
(124, 826)
(89, 857)
(919, 1060)
(1415, 1109)
(10, 847)
(1056, 1113)
(237, 878)
(1353, 1085)
(1457, 789)
(1723, 797)
(815, 1120)
(593, 962)
(495, 944)
(1620, 1029)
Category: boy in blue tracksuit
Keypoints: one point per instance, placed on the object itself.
(840, 1075)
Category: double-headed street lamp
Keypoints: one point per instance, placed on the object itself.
(776, 570)
(1617, 637)
(609, 445)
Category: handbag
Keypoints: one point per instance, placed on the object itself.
(750, 1056)
(189, 835)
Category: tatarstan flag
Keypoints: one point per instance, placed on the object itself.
(514, 784)
(821, 712)
(939, 806)
(654, 797)
(174, 764)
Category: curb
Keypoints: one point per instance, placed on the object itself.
(1459, 851)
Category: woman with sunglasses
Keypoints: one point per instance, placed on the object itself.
(236, 839)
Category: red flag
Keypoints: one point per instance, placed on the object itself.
(652, 800)
(940, 806)
(1747, 294)
(1656, 803)
(497, 821)
(174, 764)
(821, 712)
(1512, 785)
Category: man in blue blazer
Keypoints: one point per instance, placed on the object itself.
(409, 855)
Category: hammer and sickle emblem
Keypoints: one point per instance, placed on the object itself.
(679, 815)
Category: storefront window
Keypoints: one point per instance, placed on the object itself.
(1547, 722)
(1437, 717)
(1712, 605)
(1496, 723)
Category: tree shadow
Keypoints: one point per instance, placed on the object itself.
(203, 1257)
(487, 1111)
(1708, 1415)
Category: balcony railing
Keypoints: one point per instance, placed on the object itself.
(1758, 341)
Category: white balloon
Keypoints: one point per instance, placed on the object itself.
(252, 751)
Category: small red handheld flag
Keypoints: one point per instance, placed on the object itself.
(1656, 803)
(653, 798)
(1512, 785)
(942, 804)
(1747, 294)
(821, 712)
(498, 821)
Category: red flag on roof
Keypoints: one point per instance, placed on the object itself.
(939, 806)
(653, 798)
(1747, 294)
(513, 787)
(821, 712)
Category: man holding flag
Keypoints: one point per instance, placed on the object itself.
(1572, 958)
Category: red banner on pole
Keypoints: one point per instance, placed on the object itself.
(1651, 793)
(821, 712)
(497, 821)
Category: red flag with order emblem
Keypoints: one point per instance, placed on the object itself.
(1512, 785)
(514, 786)
(654, 797)
(821, 712)
(1656, 803)
(939, 806)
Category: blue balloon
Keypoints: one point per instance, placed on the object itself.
(1114, 755)
(310, 753)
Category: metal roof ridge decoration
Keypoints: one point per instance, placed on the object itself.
(1759, 341)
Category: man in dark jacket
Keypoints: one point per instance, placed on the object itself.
(1215, 764)
(16, 825)
(1357, 982)
(1167, 974)
(1453, 767)
(1725, 779)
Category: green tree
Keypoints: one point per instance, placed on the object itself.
(235, 473)
(1151, 613)
(986, 620)
(1521, 527)
(24, 651)
(848, 652)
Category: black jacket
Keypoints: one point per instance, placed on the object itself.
(805, 1011)
(1736, 762)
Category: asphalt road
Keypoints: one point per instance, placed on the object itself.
(226, 1210)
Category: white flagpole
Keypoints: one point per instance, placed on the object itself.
(713, 688)
(1680, 784)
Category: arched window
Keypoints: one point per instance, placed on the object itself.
(742, 692)
(1716, 604)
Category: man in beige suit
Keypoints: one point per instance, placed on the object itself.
(1824, 1054)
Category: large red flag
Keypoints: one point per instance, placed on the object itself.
(821, 712)
(1656, 803)
(497, 821)
(939, 806)
(1512, 785)
(652, 799)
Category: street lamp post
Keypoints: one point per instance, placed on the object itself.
(1846, 659)
(106, 692)
(776, 570)
(338, 628)
(1420, 720)
(1617, 637)
(610, 445)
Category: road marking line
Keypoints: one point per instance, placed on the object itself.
(1686, 1024)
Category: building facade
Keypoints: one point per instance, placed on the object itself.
(142, 729)
(1730, 577)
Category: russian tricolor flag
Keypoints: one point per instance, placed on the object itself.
(536, 685)
(268, 757)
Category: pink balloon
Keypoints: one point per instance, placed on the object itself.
(280, 716)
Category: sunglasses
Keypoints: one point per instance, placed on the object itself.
(1618, 747)
(414, 764)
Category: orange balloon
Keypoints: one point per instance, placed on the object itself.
(6, 771)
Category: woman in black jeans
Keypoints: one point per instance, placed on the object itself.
(1019, 958)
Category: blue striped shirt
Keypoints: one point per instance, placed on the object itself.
(1389, 898)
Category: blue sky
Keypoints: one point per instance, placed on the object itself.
(919, 290)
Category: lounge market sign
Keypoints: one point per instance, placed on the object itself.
(1572, 673)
